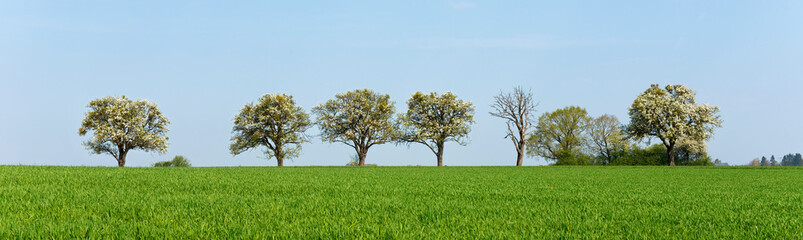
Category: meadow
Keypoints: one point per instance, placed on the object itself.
(402, 202)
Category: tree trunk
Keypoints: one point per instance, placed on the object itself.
(362, 154)
(440, 154)
(670, 151)
(520, 154)
(279, 156)
(121, 160)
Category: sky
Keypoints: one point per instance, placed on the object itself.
(202, 61)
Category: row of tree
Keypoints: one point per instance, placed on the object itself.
(360, 119)
(363, 118)
(787, 160)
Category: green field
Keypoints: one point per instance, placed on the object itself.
(402, 202)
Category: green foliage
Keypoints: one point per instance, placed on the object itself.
(672, 115)
(163, 164)
(400, 203)
(276, 123)
(559, 134)
(433, 120)
(359, 119)
(573, 158)
(792, 160)
(656, 155)
(178, 161)
(605, 138)
(636, 155)
(120, 125)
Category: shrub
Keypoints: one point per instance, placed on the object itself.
(178, 161)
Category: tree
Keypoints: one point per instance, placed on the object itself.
(773, 162)
(518, 109)
(178, 161)
(754, 162)
(120, 125)
(606, 137)
(671, 114)
(764, 162)
(275, 122)
(786, 160)
(359, 119)
(792, 160)
(433, 120)
(559, 134)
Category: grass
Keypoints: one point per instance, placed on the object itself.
(402, 202)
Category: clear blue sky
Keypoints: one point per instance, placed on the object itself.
(201, 61)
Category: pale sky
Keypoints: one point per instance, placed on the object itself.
(201, 61)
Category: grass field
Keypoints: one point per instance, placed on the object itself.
(402, 202)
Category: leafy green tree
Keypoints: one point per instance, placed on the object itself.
(518, 109)
(789, 160)
(433, 120)
(359, 119)
(606, 137)
(773, 162)
(559, 134)
(786, 160)
(178, 161)
(275, 122)
(798, 160)
(764, 162)
(672, 114)
(120, 125)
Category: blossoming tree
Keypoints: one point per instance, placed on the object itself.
(275, 122)
(433, 119)
(120, 124)
(359, 119)
(672, 115)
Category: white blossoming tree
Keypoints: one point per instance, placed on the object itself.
(120, 125)
(359, 119)
(433, 120)
(672, 115)
(275, 122)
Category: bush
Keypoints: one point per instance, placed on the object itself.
(178, 161)
(573, 158)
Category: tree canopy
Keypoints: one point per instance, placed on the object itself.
(276, 123)
(120, 125)
(672, 114)
(559, 134)
(605, 137)
(433, 120)
(360, 119)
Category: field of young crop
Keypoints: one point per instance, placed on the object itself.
(402, 202)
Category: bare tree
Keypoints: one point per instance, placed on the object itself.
(517, 108)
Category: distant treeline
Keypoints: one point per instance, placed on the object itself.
(787, 160)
